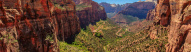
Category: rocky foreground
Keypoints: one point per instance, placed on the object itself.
(174, 15)
(25, 24)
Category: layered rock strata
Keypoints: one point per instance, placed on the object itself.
(175, 14)
(89, 12)
(36, 25)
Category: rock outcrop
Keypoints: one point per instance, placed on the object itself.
(150, 14)
(175, 14)
(35, 25)
(89, 12)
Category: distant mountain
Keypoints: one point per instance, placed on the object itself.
(155, 1)
(135, 10)
(138, 9)
(111, 8)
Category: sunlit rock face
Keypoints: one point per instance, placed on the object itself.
(150, 14)
(175, 15)
(89, 12)
(36, 25)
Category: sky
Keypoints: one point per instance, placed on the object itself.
(117, 1)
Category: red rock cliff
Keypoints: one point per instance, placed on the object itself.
(176, 15)
(35, 25)
(150, 14)
(89, 11)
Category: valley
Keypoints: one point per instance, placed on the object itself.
(92, 26)
(106, 36)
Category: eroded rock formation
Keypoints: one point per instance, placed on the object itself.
(175, 14)
(35, 25)
(150, 14)
(89, 12)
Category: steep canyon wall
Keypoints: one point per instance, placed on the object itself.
(174, 14)
(36, 25)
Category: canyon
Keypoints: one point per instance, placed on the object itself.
(36, 25)
(82, 25)
(39, 25)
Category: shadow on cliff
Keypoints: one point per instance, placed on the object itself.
(71, 39)
(84, 26)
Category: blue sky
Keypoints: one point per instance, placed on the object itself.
(116, 1)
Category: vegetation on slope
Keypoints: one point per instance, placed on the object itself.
(111, 14)
(106, 36)
(139, 25)
(64, 47)
(95, 37)
(140, 42)
(124, 19)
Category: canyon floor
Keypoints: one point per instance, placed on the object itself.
(107, 36)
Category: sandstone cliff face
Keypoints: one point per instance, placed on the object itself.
(175, 14)
(35, 25)
(89, 12)
(150, 14)
(133, 12)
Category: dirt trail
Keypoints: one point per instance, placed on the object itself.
(118, 32)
